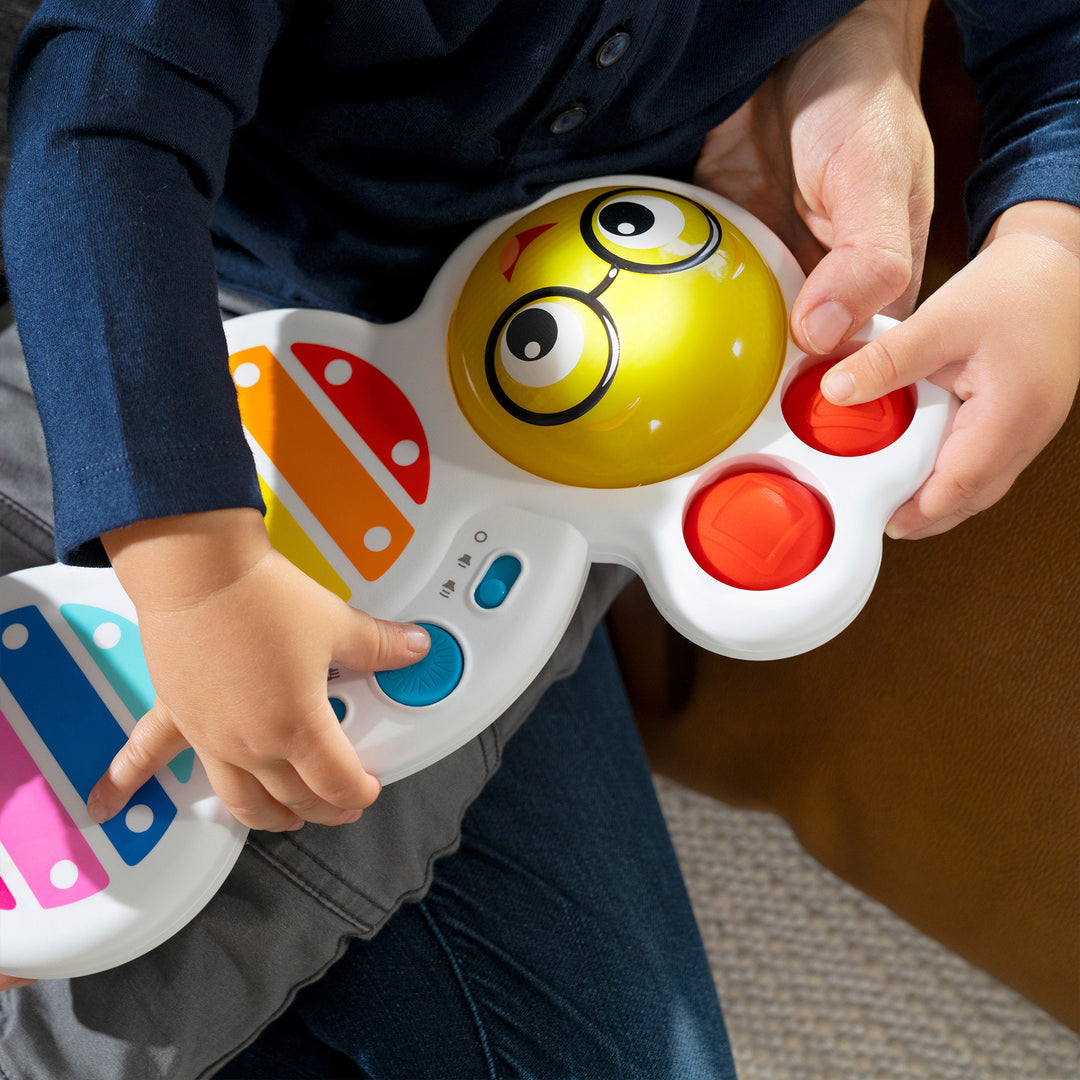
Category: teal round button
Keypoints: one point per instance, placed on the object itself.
(429, 680)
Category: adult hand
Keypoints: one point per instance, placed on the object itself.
(832, 152)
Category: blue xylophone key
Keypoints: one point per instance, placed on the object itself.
(76, 726)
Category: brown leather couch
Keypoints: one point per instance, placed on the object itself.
(930, 754)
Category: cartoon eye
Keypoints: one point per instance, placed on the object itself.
(640, 221)
(551, 356)
(650, 232)
(542, 344)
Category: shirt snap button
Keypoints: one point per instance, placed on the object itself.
(568, 119)
(613, 49)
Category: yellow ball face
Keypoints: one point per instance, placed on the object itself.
(616, 337)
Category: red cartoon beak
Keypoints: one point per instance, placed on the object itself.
(508, 257)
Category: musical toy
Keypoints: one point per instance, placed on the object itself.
(606, 377)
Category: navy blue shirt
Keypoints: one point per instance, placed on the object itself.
(333, 153)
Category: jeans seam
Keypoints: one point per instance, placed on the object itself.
(44, 551)
(27, 518)
(459, 976)
(311, 889)
(323, 865)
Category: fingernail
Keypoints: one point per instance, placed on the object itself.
(895, 532)
(825, 326)
(95, 807)
(417, 640)
(837, 385)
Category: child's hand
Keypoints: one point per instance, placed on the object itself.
(239, 642)
(1004, 336)
(832, 152)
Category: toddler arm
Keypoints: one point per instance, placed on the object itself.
(239, 642)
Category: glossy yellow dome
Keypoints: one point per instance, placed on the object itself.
(616, 337)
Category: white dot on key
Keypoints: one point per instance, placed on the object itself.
(246, 374)
(405, 452)
(377, 538)
(15, 636)
(338, 372)
(139, 818)
(107, 635)
(63, 874)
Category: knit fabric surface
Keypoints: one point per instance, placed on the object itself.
(819, 982)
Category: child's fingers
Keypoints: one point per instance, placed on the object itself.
(317, 778)
(245, 797)
(327, 785)
(914, 350)
(10, 982)
(154, 742)
(984, 451)
(329, 767)
(975, 467)
(365, 643)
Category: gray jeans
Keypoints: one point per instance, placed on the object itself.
(25, 490)
(293, 901)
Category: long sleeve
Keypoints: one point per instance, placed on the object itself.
(362, 142)
(121, 119)
(1026, 59)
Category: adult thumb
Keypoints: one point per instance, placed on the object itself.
(874, 260)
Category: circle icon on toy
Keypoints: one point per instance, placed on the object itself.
(615, 337)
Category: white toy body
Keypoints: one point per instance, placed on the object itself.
(379, 486)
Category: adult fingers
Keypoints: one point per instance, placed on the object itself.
(872, 215)
(868, 266)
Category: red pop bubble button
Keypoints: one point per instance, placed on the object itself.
(758, 530)
(844, 430)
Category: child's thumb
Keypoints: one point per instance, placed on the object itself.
(369, 644)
